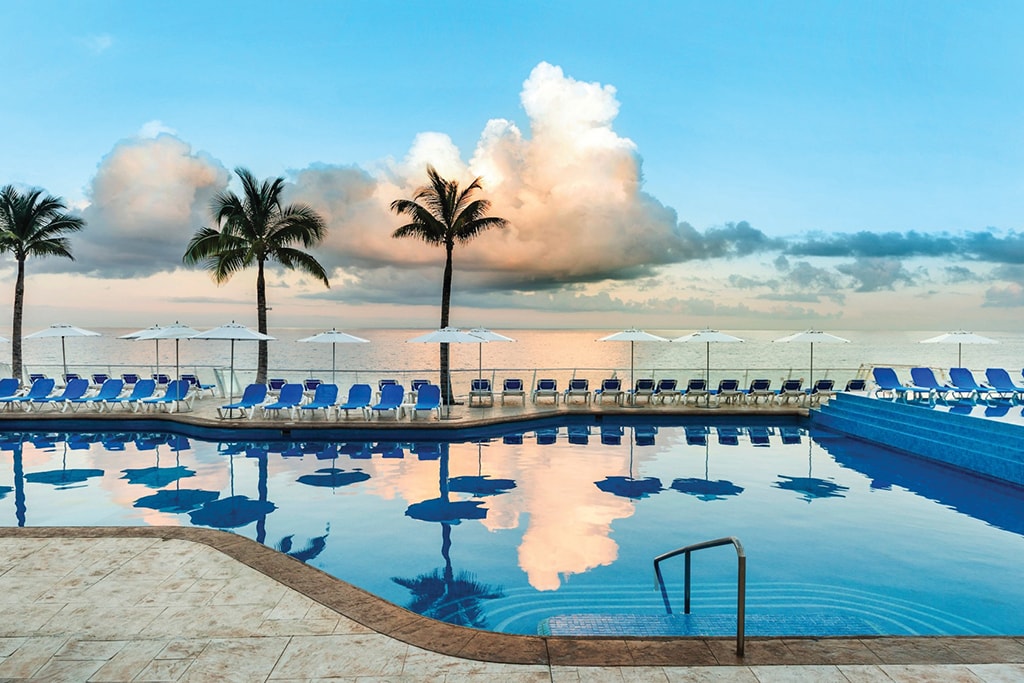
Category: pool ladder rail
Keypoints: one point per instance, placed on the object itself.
(741, 580)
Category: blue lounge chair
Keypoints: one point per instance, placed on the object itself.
(513, 387)
(274, 385)
(33, 377)
(998, 379)
(129, 379)
(428, 398)
(546, 388)
(359, 396)
(324, 398)
(924, 379)
(886, 382)
(252, 396)
(9, 387)
(110, 389)
(99, 379)
(414, 386)
(161, 379)
(760, 388)
(198, 386)
(856, 384)
(142, 389)
(391, 397)
(823, 388)
(289, 399)
(642, 388)
(578, 388)
(965, 386)
(481, 389)
(696, 389)
(179, 392)
(75, 388)
(792, 390)
(310, 384)
(666, 390)
(41, 388)
(728, 391)
(611, 388)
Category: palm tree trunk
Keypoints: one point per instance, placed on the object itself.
(19, 308)
(446, 301)
(261, 322)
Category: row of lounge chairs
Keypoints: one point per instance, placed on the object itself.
(177, 395)
(962, 386)
(292, 397)
(663, 391)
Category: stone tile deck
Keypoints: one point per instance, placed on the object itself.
(178, 604)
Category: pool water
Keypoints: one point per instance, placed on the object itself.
(556, 527)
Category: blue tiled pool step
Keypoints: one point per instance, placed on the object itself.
(988, 447)
(708, 625)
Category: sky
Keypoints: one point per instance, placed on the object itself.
(666, 165)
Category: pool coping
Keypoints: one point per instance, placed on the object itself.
(396, 622)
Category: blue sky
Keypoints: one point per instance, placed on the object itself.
(736, 164)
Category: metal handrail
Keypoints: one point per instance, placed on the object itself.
(741, 587)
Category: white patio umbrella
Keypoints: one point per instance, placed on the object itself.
(960, 337)
(62, 331)
(138, 334)
(486, 335)
(707, 336)
(233, 332)
(812, 337)
(632, 335)
(177, 332)
(447, 335)
(333, 337)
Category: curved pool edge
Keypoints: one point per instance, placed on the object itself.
(447, 639)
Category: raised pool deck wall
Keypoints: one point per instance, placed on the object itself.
(988, 447)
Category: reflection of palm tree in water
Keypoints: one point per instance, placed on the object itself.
(313, 547)
(443, 594)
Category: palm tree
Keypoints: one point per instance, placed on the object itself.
(31, 224)
(253, 230)
(441, 214)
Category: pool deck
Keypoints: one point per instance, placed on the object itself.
(189, 604)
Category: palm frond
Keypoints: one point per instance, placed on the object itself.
(294, 259)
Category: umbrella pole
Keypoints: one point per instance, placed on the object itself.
(64, 355)
(811, 381)
(959, 356)
(334, 365)
(177, 359)
(231, 378)
(157, 356)
(631, 380)
(707, 375)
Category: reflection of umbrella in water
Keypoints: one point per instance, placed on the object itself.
(174, 500)
(158, 477)
(481, 484)
(810, 487)
(443, 594)
(628, 487)
(706, 489)
(237, 511)
(63, 478)
(333, 477)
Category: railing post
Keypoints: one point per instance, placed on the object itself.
(686, 590)
(741, 603)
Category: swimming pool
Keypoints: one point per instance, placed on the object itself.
(556, 527)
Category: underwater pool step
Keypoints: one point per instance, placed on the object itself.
(706, 625)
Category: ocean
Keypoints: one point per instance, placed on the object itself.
(556, 353)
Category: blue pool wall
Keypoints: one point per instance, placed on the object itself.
(988, 447)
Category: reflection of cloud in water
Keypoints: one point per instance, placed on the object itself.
(570, 518)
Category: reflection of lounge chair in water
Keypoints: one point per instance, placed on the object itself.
(790, 435)
(696, 436)
(426, 450)
(579, 434)
(547, 435)
(644, 434)
(759, 435)
(729, 436)
(611, 435)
